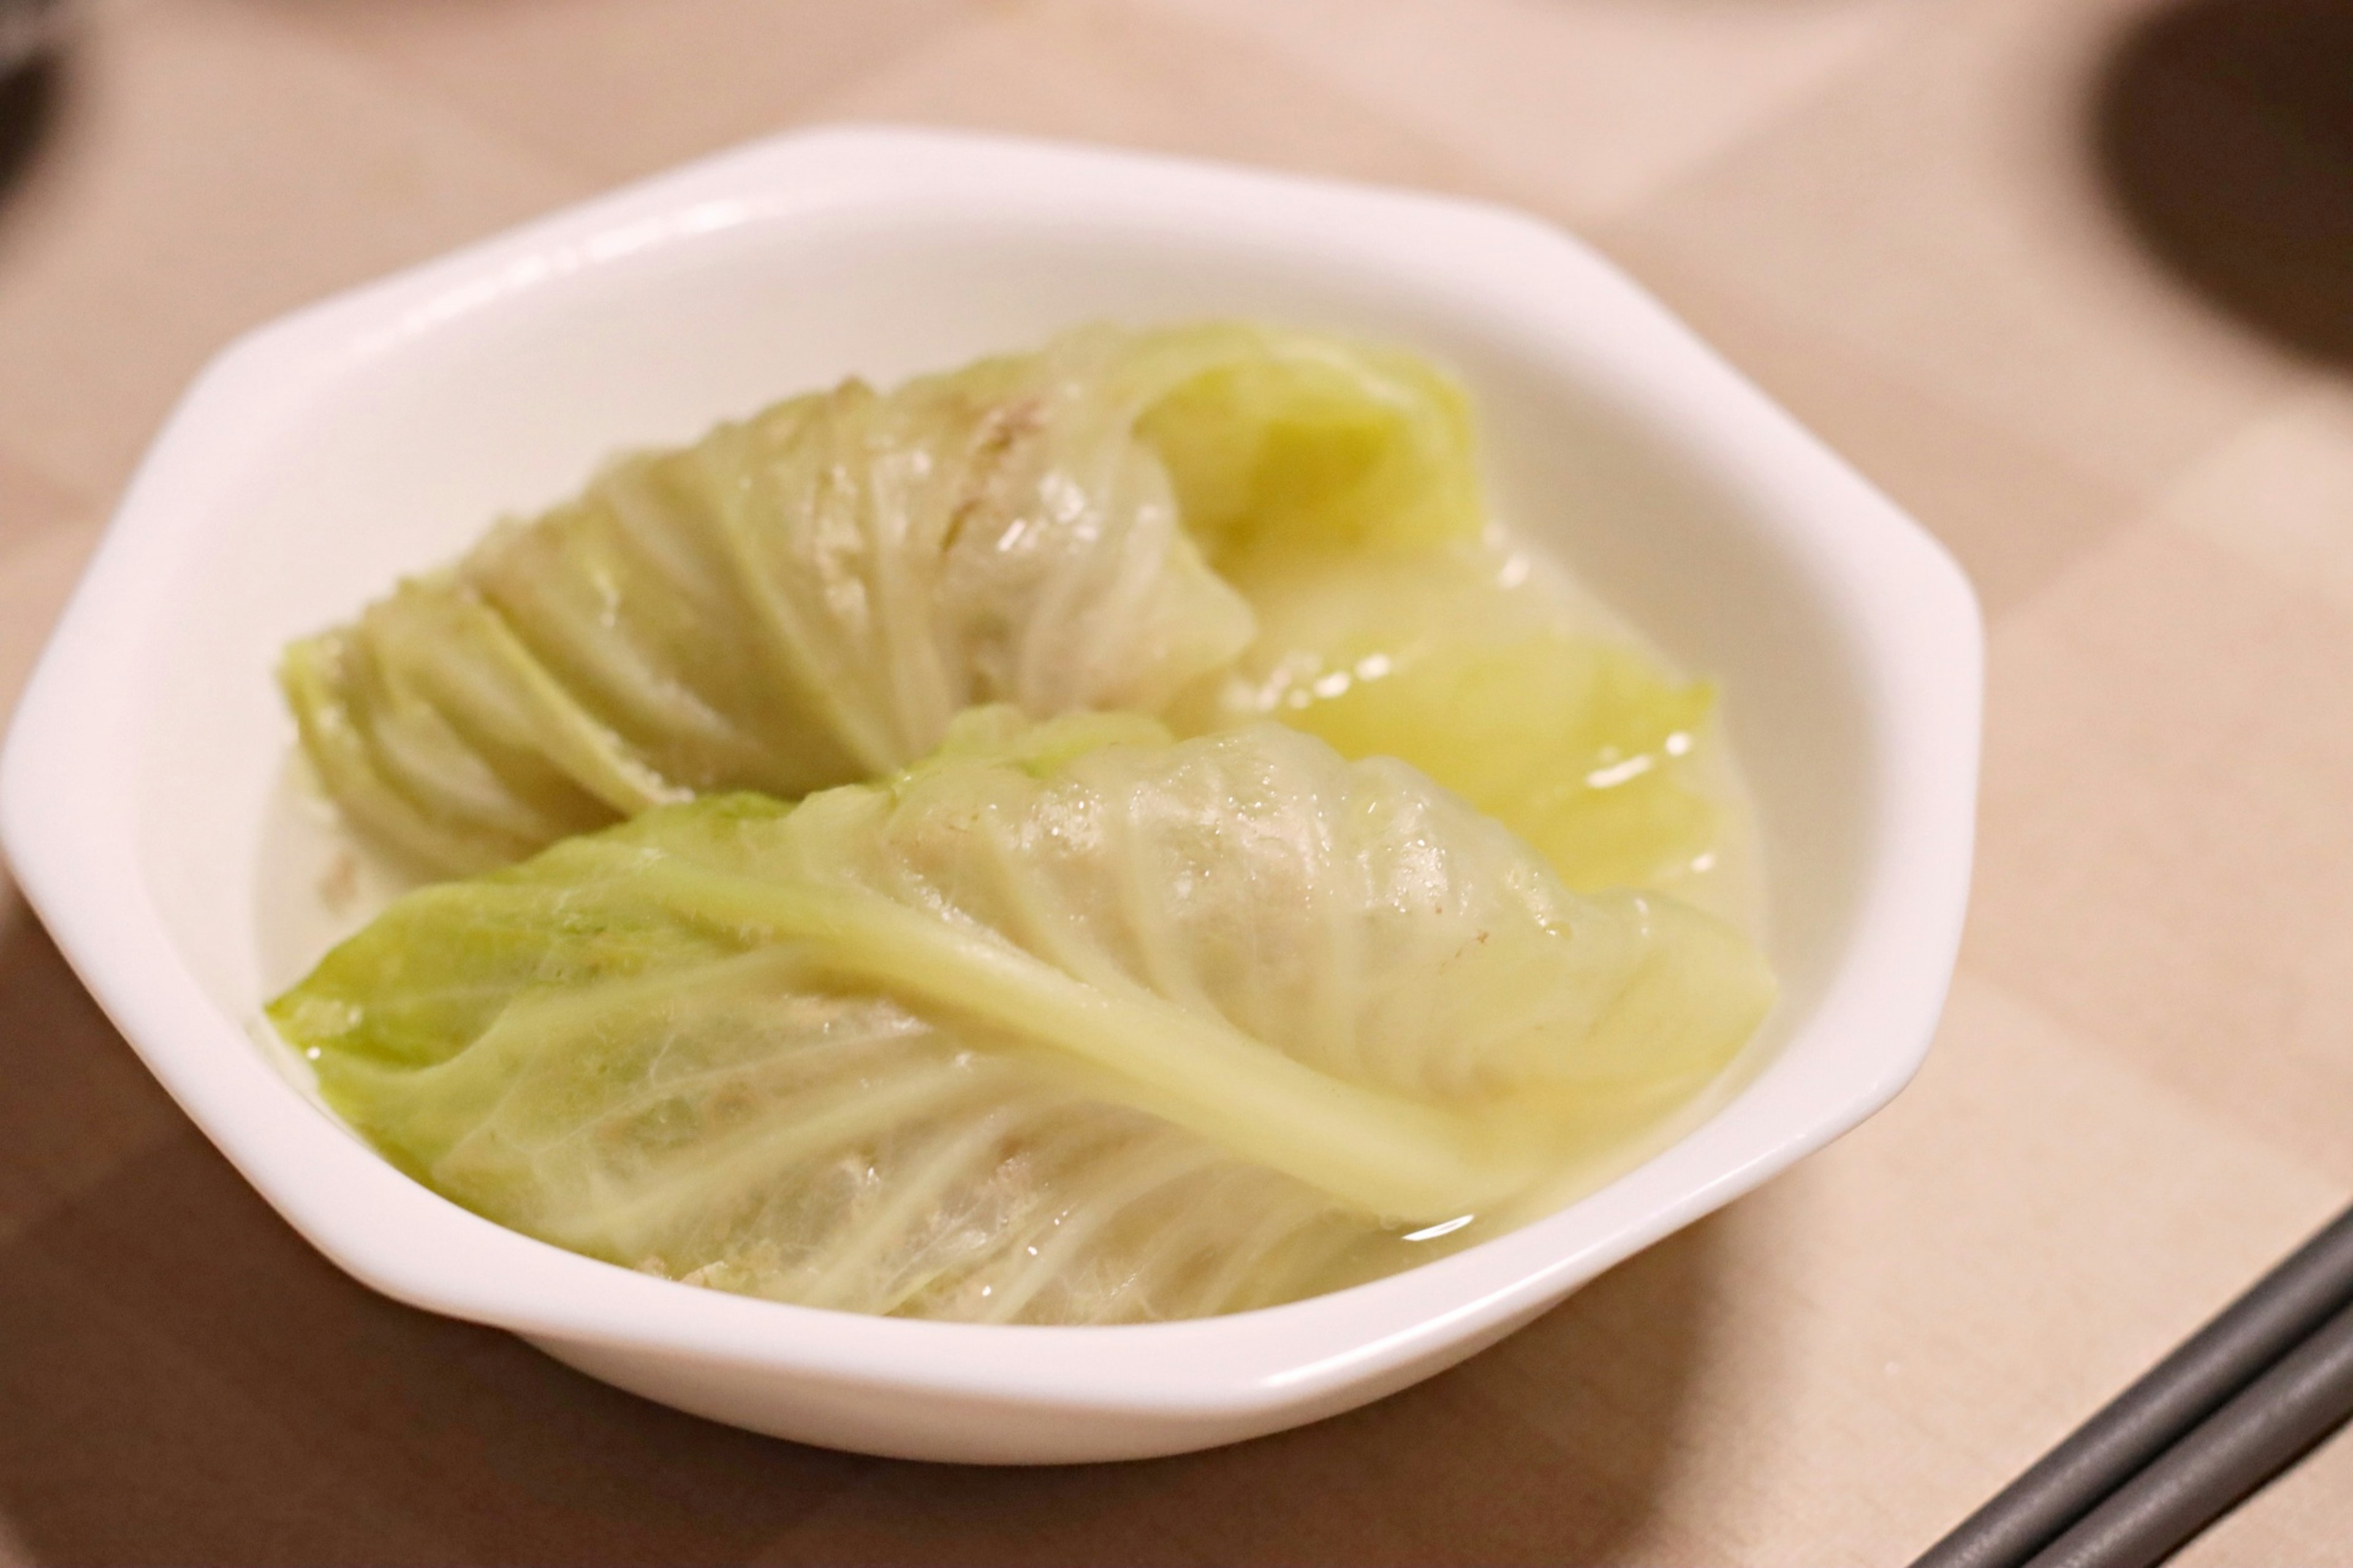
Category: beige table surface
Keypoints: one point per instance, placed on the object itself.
(1885, 211)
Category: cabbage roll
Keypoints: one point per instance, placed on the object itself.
(805, 597)
(1069, 1023)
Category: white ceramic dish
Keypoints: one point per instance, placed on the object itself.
(322, 455)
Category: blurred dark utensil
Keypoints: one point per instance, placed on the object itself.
(27, 27)
(32, 47)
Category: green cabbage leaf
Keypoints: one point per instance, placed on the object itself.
(1067, 1023)
(1501, 688)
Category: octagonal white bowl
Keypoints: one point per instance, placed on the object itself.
(375, 434)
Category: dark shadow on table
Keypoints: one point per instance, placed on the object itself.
(2224, 128)
(184, 1381)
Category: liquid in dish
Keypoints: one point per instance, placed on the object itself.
(1032, 900)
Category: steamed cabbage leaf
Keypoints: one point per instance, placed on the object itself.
(1339, 492)
(805, 598)
(1067, 1024)
(1474, 666)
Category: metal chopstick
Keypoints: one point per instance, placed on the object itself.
(2242, 1342)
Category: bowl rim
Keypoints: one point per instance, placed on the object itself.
(66, 799)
